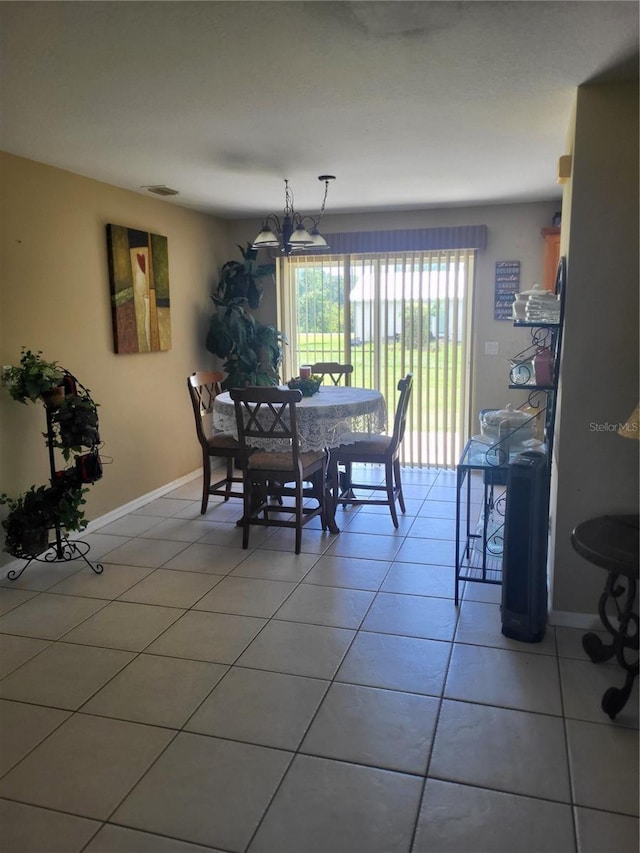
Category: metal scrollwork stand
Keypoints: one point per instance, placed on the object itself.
(63, 550)
(611, 542)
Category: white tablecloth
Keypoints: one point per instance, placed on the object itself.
(324, 420)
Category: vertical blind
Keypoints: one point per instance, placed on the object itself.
(388, 314)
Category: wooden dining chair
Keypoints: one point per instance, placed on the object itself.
(381, 449)
(204, 386)
(266, 417)
(336, 372)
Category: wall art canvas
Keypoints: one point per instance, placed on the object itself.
(139, 282)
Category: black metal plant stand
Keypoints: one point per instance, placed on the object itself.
(63, 549)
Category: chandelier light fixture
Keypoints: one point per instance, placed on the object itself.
(294, 232)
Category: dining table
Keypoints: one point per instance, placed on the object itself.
(329, 418)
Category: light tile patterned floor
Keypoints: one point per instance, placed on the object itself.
(198, 697)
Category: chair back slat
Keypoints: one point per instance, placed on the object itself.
(400, 420)
(204, 386)
(267, 415)
(335, 371)
(266, 420)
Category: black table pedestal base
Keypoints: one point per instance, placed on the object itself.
(624, 636)
(611, 542)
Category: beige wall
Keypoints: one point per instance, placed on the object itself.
(597, 470)
(54, 297)
(513, 234)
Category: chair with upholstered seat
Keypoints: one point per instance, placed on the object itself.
(273, 465)
(204, 386)
(380, 449)
(335, 371)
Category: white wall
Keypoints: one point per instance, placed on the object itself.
(596, 470)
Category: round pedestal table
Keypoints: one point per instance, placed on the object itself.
(325, 420)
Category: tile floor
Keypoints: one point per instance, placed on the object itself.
(198, 697)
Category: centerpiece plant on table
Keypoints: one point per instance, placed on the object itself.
(308, 386)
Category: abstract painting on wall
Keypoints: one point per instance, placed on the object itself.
(139, 282)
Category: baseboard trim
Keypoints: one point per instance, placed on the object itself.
(567, 619)
(135, 504)
(119, 512)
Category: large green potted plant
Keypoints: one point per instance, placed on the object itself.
(251, 351)
(34, 378)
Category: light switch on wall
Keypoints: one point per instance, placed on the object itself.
(491, 348)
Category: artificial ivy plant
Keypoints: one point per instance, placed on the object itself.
(40, 508)
(33, 377)
(75, 423)
(251, 351)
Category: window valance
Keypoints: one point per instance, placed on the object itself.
(408, 240)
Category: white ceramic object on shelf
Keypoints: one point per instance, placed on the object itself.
(508, 424)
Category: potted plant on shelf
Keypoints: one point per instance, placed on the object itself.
(35, 379)
(251, 351)
(28, 522)
(33, 513)
(67, 501)
(75, 423)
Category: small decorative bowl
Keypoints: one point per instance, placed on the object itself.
(309, 387)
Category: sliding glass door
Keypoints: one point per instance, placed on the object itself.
(388, 315)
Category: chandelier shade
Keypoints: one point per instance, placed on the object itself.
(266, 239)
(317, 240)
(300, 238)
(293, 232)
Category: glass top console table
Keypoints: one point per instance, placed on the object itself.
(481, 479)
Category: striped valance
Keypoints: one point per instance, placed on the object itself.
(408, 240)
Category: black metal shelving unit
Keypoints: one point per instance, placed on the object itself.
(477, 559)
(478, 552)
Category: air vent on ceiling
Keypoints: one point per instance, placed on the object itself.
(161, 189)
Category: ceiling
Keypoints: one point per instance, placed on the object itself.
(410, 104)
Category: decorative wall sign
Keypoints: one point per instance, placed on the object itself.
(139, 282)
(507, 285)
